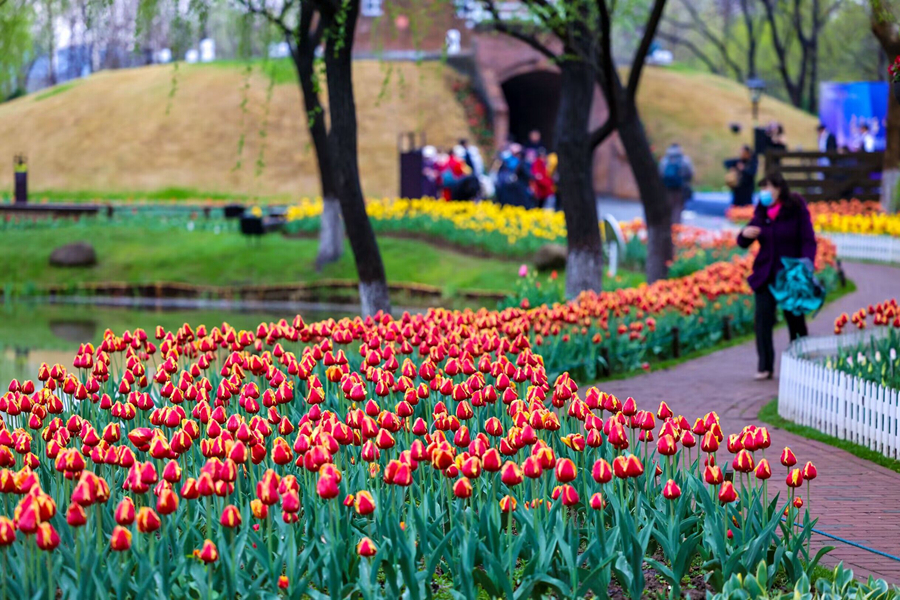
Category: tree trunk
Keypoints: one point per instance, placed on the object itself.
(331, 233)
(584, 263)
(331, 230)
(657, 211)
(52, 43)
(342, 146)
(889, 37)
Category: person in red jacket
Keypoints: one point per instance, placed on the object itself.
(542, 185)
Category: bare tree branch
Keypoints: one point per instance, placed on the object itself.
(502, 27)
(599, 135)
(692, 48)
(640, 56)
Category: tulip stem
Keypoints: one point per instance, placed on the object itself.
(509, 520)
(51, 589)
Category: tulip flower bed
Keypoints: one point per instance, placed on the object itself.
(843, 216)
(510, 231)
(875, 359)
(630, 329)
(374, 458)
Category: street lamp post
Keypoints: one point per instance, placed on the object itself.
(756, 86)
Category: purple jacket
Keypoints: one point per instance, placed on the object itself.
(789, 235)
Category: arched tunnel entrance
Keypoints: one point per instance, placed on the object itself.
(533, 101)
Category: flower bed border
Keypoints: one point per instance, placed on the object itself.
(834, 402)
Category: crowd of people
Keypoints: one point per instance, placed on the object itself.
(520, 175)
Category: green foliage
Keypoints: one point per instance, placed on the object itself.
(16, 18)
(839, 585)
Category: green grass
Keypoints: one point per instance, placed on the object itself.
(135, 254)
(55, 90)
(769, 415)
(163, 253)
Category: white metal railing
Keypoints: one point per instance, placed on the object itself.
(834, 402)
(881, 248)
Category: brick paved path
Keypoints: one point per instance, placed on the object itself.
(853, 498)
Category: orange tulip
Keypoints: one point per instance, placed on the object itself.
(147, 520)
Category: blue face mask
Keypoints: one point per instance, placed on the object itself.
(766, 198)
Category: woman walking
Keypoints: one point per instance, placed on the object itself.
(783, 227)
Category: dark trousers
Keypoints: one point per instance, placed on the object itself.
(765, 323)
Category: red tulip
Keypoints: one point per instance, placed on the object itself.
(125, 512)
(787, 458)
(727, 493)
(743, 462)
(75, 516)
(710, 442)
(671, 491)
(46, 537)
(366, 547)
(798, 502)
(7, 531)
(601, 472)
(462, 488)
(565, 470)
(120, 540)
(167, 502)
(569, 495)
(364, 504)
(507, 504)
(666, 445)
(147, 520)
(231, 517)
(713, 475)
(664, 412)
(763, 471)
(327, 487)
(809, 471)
(208, 553)
(511, 474)
(597, 502)
(795, 478)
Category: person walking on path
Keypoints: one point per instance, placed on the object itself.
(741, 175)
(677, 171)
(783, 227)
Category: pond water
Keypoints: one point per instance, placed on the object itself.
(34, 333)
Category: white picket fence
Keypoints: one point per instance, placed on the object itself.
(880, 248)
(834, 402)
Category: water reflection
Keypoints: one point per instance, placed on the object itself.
(31, 334)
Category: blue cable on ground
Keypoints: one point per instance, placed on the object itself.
(854, 544)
